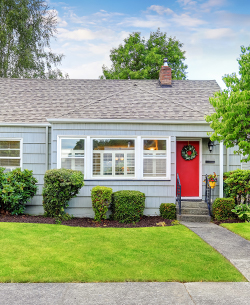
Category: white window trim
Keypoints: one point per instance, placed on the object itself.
(168, 158)
(15, 158)
(88, 155)
(59, 143)
(111, 177)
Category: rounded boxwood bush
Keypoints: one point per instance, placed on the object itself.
(168, 210)
(127, 206)
(60, 185)
(101, 198)
(222, 208)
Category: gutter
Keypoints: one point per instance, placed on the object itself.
(25, 124)
(126, 121)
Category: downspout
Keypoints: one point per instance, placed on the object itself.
(221, 170)
(46, 148)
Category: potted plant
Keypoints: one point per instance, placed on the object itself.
(212, 180)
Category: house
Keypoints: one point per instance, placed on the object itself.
(124, 134)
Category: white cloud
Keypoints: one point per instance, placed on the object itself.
(80, 34)
(187, 2)
(160, 9)
(218, 33)
(187, 21)
(207, 6)
(149, 22)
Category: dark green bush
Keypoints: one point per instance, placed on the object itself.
(17, 187)
(222, 208)
(60, 185)
(168, 210)
(101, 198)
(237, 185)
(127, 206)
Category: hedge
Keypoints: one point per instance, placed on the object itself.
(127, 206)
(168, 210)
(101, 198)
(222, 208)
(60, 185)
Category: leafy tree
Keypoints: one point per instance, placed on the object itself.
(26, 27)
(231, 121)
(142, 59)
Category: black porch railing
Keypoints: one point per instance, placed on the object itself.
(178, 193)
(208, 195)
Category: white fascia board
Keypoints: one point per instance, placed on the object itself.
(126, 121)
(4, 124)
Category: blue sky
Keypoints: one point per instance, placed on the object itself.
(212, 32)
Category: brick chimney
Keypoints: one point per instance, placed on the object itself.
(165, 74)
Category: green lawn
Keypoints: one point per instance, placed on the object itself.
(54, 253)
(242, 229)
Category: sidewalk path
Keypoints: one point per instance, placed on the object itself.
(126, 294)
(235, 248)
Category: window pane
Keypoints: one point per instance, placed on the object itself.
(113, 144)
(10, 144)
(131, 164)
(9, 162)
(119, 164)
(153, 146)
(96, 164)
(107, 164)
(154, 168)
(72, 148)
(9, 153)
(73, 163)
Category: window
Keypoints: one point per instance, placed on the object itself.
(72, 154)
(113, 158)
(10, 154)
(154, 158)
(132, 157)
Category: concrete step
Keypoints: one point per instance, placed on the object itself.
(193, 218)
(193, 211)
(193, 204)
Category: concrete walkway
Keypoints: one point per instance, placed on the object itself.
(235, 248)
(126, 294)
(232, 246)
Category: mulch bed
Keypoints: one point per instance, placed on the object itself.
(146, 221)
(218, 222)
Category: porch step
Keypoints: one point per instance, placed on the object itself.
(193, 204)
(194, 218)
(193, 211)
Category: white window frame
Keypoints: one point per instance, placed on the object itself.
(14, 158)
(59, 152)
(88, 155)
(168, 157)
(112, 177)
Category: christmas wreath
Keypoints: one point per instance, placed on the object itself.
(185, 150)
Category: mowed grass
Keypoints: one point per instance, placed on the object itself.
(54, 253)
(242, 229)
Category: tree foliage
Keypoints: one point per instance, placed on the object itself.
(142, 59)
(26, 27)
(231, 120)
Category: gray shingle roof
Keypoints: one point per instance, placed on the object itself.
(33, 100)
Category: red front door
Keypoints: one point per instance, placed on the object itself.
(188, 170)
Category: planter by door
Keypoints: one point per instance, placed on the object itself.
(188, 170)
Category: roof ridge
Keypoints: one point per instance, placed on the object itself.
(97, 100)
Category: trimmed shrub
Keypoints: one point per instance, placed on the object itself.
(17, 187)
(237, 185)
(222, 208)
(127, 206)
(168, 210)
(101, 198)
(60, 185)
